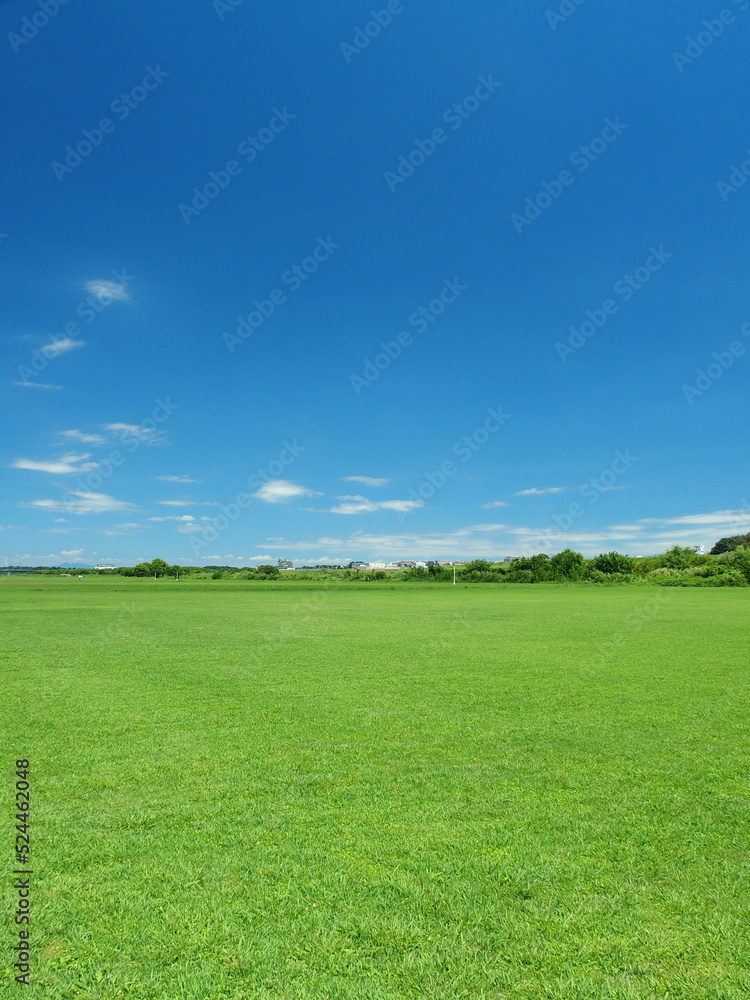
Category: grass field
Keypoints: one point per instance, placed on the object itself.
(268, 791)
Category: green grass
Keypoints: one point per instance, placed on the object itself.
(252, 791)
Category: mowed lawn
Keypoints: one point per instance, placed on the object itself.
(245, 790)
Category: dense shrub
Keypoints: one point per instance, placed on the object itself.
(613, 562)
(566, 565)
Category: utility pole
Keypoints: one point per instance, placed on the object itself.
(454, 576)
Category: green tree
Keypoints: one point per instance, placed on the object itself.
(158, 567)
(613, 562)
(739, 560)
(679, 557)
(268, 571)
(566, 565)
(730, 544)
(477, 566)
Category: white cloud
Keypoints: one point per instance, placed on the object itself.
(470, 541)
(366, 480)
(113, 290)
(281, 490)
(75, 435)
(187, 503)
(65, 465)
(61, 346)
(534, 492)
(191, 528)
(12, 527)
(259, 558)
(643, 537)
(174, 517)
(85, 503)
(71, 552)
(178, 479)
(718, 517)
(494, 503)
(37, 385)
(146, 435)
(361, 505)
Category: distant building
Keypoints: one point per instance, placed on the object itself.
(103, 566)
(285, 564)
(357, 564)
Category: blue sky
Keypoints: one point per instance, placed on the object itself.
(443, 280)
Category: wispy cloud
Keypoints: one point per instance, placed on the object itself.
(174, 517)
(83, 503)
(717, 517)
(178, 479)
(146, 435)
(187, 503)
(113, 290)
(61, 346)
(366, 480)
(75, 435)
(281, 491)
(534, 492)
(71, 552)
(37, 385)
(361, 505)
(494, 503)
(66, 465)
